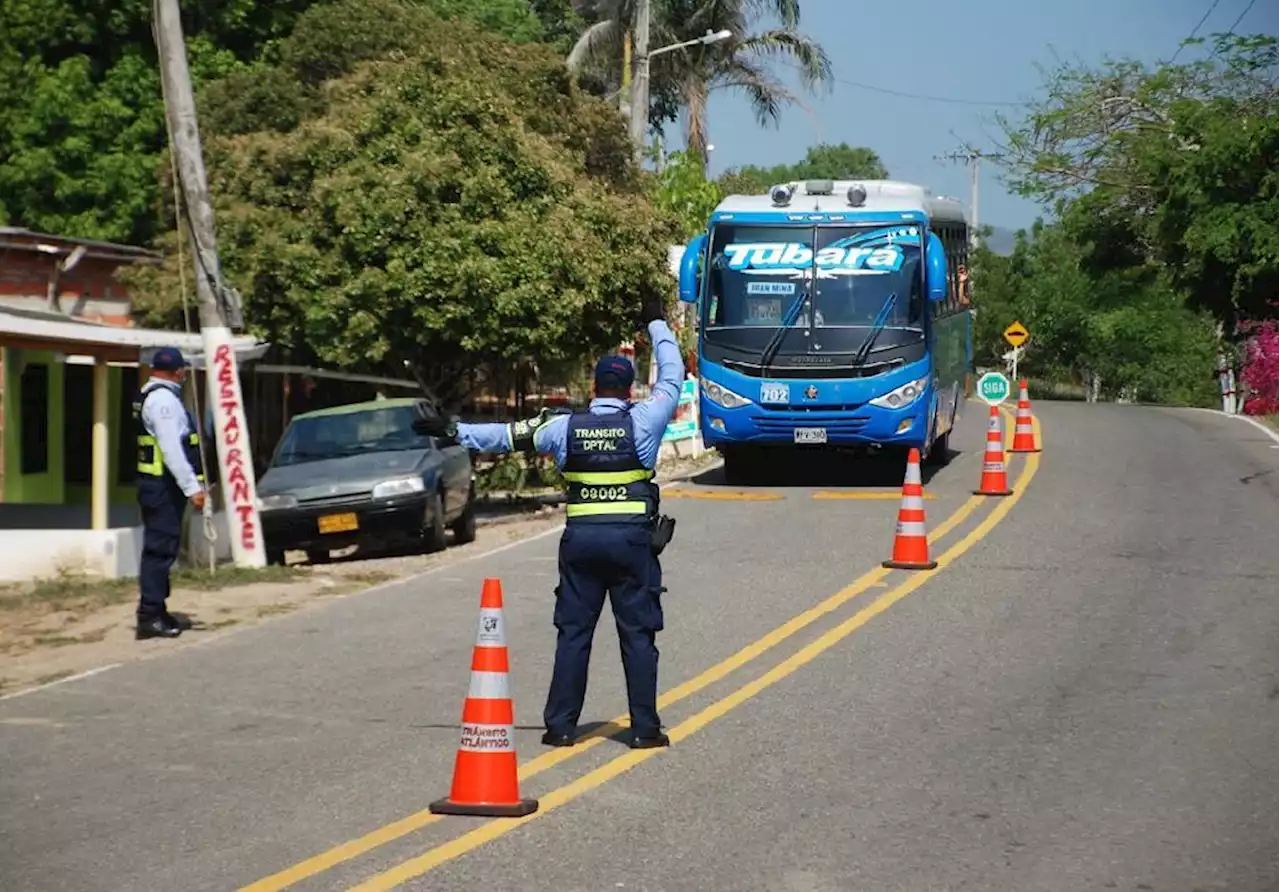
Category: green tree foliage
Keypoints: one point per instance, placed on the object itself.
(420, 216)
(1128, 325)
(81, 113)
(685, 193)
(1175, 163)
(825, 161)
(82, 116)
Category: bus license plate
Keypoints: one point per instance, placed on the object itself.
(774, 392)
(811, 435)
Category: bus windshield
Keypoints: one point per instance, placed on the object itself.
(824, 286)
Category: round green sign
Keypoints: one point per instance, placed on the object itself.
(993, 388)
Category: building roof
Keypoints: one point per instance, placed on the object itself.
(56, 331)
(17, 238)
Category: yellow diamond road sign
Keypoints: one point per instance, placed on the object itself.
(1016, 334)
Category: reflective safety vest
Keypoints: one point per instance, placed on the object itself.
(150, 461)
(607, 482)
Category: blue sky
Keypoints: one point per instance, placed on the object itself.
(978, 51)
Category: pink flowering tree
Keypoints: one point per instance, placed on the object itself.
(1261, 368)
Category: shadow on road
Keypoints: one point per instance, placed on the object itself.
(825, 469)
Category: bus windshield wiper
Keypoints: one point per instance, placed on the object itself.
(877, 326)
(775, 343)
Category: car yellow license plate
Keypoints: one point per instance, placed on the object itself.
(338, 523)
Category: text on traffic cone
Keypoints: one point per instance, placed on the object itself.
(485, 773)
(995, 481)
(911, 541)
(1024, 433)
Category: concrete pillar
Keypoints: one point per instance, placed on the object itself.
(100, 481)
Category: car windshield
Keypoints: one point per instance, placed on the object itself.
(340, 434)
(824, 286)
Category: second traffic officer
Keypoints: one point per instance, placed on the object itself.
(612, 532)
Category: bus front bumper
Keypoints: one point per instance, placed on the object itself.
(793, 426)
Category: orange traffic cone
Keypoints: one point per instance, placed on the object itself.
(1024, 433)
(485, 780)
(995, 481)
(911, 542)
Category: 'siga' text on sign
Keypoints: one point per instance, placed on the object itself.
(993, 388)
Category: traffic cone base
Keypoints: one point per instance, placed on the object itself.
(995, 480)
(485, 772)
(449, 807)
(911, 541)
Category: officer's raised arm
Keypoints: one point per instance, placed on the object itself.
(652, 416)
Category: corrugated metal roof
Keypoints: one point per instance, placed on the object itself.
(51, 327)
(26, 239)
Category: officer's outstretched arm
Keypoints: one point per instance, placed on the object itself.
(493, 438)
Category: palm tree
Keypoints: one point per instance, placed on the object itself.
(687, 78)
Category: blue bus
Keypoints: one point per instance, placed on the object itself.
(830, 317)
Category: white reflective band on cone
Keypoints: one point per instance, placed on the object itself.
(915, 502)
(911, 528)
(993, 466)
(488, 686)
(477, 738)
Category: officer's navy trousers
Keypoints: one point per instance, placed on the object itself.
(162, 504)
(616, 558)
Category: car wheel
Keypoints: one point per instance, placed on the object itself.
(433, 530)
(464, 528)
(318, 555)
(275, 556)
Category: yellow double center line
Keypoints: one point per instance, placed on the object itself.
(487, 832)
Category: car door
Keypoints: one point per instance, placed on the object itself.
(455, 471)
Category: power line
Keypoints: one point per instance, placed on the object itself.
(1240, 18)
(1199, 25)
(905, 95)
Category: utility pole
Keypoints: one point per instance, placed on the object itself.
(639, 118)
(219, 304)
(973, 158)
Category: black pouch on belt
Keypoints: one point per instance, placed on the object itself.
(663, 529)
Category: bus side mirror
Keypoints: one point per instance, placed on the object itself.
(689, 270)
(936, 269)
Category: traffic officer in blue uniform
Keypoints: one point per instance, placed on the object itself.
(612, 534)
(169, 476)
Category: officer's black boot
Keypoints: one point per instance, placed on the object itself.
(650, 741)
(552, 738)
(156, 625)
(180, 620)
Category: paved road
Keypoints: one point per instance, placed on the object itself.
(1082, 696)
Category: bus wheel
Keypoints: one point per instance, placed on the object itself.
(940, 452)
(738, 466)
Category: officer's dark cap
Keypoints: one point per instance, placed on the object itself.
(615, 373)
(168, 359)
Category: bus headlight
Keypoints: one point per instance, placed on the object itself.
(901, 396)
(723, 396)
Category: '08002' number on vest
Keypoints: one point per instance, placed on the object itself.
(603, 493)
